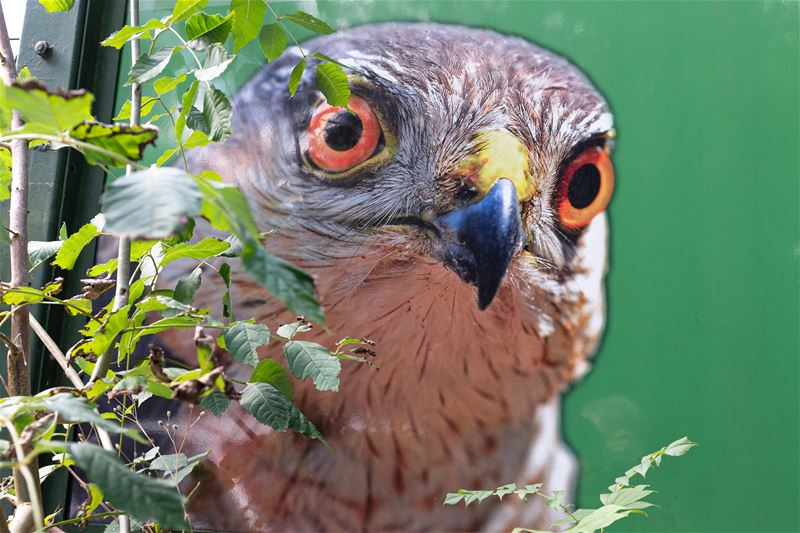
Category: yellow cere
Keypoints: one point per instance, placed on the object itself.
(502, 155)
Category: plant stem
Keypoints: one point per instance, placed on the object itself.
(57, 354)
(83, 518)
(18, 373)
(122, 292)
(31, 482)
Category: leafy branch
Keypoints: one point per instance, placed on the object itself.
(621, 501)
(152, 212)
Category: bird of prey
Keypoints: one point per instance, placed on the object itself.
(455, 216)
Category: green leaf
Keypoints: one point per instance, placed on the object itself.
(21, 295)
(270, 371)
(128, 33)
(187, 101)
(5, 179)
(75, 409)
(311, 360)
(53, 6)
(142, 497)
(126, 141)
(165, 84)
(217, 60)
(71, 248)
(225, 274)
(600, 518)
(272, 41)
(207, 29)
(453, 498)
(39, 251)
(557, 500)
(185, 8)
(626, 496)
(170, 462)
(216, 116)
(309, 22)
(208, 247)
(291, 285)
(148, 67)
(329, 59)
(147, 107)
(288, 331)
(226, 209)
(300, 424)
(130, 384)
(679, 447)
(45, 112)
(332, 82)
(296, 76)
(105, 336)
(215, 402)
(187, 287)
(248, 15)
(267, 404)
(243, 338)
(152, 203)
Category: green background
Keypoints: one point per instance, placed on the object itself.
(702, 336)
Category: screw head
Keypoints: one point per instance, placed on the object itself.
(42, 48)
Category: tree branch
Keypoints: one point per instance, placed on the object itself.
(19, 383)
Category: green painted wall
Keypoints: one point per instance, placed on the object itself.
(702, 338)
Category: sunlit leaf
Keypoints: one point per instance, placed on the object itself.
(272, 40)
(679, 447)
(70, 249)
(165, 84)
(309, 22)
(128, 33)
(248, 15)
(296, 76)
(53, 6)
(207, 29)
(185, 8)
(217, 60)
(45, 112)
(332, 83)
(5, 177)
(149, 66)
(146, 108)
(126, 141)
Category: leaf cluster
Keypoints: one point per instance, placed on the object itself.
(156, 208)
(621, 501)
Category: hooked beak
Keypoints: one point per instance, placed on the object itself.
(478, 242)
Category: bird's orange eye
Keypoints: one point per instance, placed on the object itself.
(338, 140)
(585, 188)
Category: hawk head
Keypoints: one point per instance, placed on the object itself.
(480, 152)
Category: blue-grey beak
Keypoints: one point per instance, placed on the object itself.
(478, 242)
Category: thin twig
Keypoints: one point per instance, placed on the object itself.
(18, 373)
(31, 481)
(57, 354)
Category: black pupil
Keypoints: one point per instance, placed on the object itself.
(343, 131)
(584, 186)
